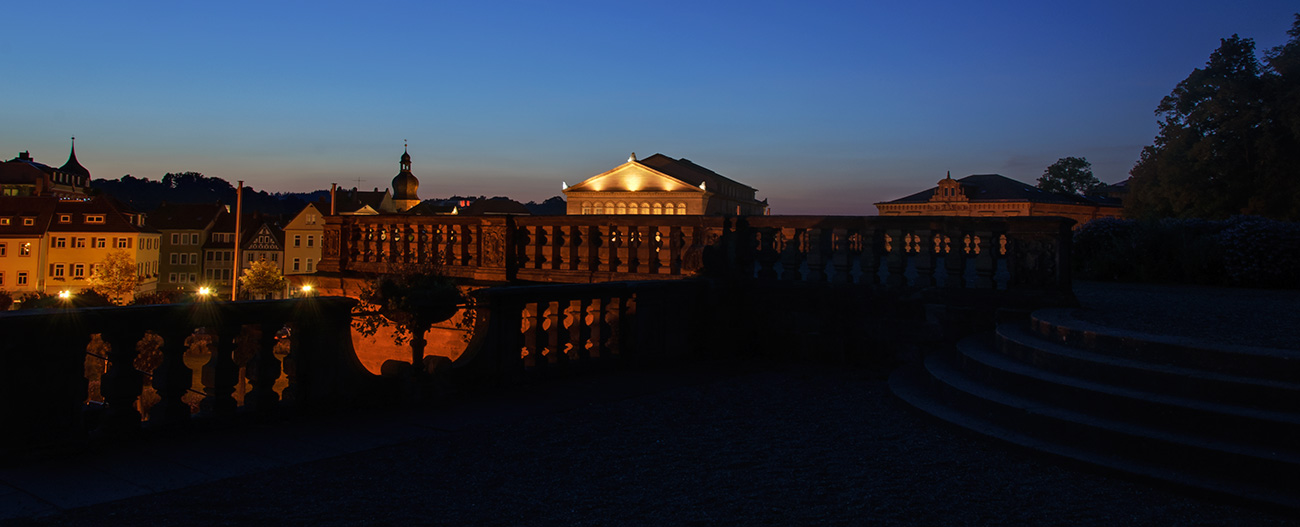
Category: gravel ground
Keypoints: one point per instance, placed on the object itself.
(779, 444)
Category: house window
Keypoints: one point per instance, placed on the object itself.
(311, 241)
(251, 257)
(95, 218)
(98, 243)
(586, 207)
(176, 238)
(25, 249)
(79, 243)
(22, 277)
(58, 242)
(4, 249)
(56, 270)
(668, 209)
(309, 265)
(194, 277)
(171, 277)
(631, 208)
(65, 218)
(194, 239)
(622, 208)
(122, 243)
(275, 257)
(28, 222)
(176, 258)
(297, 240)
(598, 209)
(658, 208)
(2, 278)
(78, 270)
(295, 264)
(4, 221)
(681, 208)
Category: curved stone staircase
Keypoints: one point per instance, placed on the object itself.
(1221, 419)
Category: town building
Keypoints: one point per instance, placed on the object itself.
(184, 229)
(50, 244)
(359, 202)
(302, 237)
(662, 185)
(995, 195)
(262, 240)
(24, 176)
(219, 256)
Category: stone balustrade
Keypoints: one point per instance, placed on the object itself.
(539, 330)
(1017, 254)
(45, 386)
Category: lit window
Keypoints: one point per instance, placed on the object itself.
(681, 208)
(95, 218)
(25, 249)
(28, 222)
(622, 208)
(631, 208)
(4, 221)
(668, 209)
(658, 209)
(586, 207)
(65, 218)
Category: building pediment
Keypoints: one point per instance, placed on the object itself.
(633, 177)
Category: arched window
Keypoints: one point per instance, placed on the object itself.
(609, 207)
(622, 208)
(681, 209)
(645, 208)
(586, 207)
(659, 209)
(598, 209)
(631, 208)
(668, 209)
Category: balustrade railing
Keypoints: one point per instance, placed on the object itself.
(539, 330)
(45, 386)
(1026, 253)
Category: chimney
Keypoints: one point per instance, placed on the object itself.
(25, 156)
(333, 205)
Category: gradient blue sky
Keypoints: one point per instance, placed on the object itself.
(824, 107)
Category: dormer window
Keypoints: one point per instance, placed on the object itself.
(4, 221)
(94, 218)
(28, 222)
(65, 218)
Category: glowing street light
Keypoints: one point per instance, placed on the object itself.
(306, 290)
(65, 295)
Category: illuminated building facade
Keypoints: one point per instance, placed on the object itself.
(24, 176)
(996, 195)
(662, 185)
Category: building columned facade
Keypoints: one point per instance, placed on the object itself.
(996, 195)
(662, 185)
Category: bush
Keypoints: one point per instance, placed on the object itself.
(1243, 251)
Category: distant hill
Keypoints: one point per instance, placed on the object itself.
(192, 187)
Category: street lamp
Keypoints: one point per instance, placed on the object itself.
(306, 290)
(65, 295)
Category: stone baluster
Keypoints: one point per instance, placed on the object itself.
(819, 252)
(122, 384)
(870, 250)
(661, 261)
(793, 252)
(768, 254)
(576, 246)
(953, 259)
(923, 256)
(556, 334)
(983, 259)
(262, 371)
(172, 379)
(538, 244)
(618, 250)
(220, 374)
(576, 335)
(532, 349)
(558, 240)
(895, 257)
(841, 259)
(596, 330)
(597, 250)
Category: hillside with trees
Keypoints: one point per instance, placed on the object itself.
(146, 195)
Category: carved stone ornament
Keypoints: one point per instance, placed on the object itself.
(494, 247)
(331, 244)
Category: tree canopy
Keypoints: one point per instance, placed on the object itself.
(115, 276)
(1071, 175)
(1229, 140)
(262, 278)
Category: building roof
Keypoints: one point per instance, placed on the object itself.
(405, 185)
(73, 167)
(689, 172)
(347, 201)
(185, 216)
(995, 187)
(115, 220)
(23, 169)
(41, 209)
(495, 206)
(431, 207)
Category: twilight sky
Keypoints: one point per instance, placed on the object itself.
(824, 107)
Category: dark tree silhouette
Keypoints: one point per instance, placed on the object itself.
(1229, 139)
(1072, 175)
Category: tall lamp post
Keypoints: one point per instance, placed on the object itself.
(239, 213)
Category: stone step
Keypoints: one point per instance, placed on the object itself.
(1247, 426)
(1061, 326)
(1240, 390)
(1247, 472)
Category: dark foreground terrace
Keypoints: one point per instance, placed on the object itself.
(758, 441)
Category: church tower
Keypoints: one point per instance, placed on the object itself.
(405, 185)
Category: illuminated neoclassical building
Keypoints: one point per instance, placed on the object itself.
(662, 185)
(996, 195)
